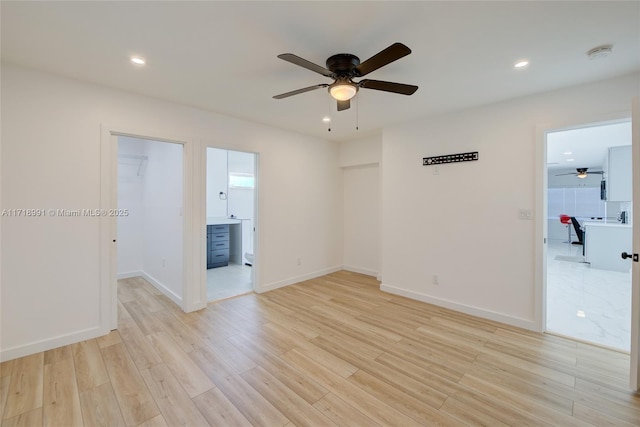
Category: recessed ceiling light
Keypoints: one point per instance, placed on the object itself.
(581, 313)
(137, 60)
(567, 153)
(570, 160)
(326, 119)
(521, 64)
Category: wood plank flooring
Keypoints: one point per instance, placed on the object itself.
(330, 351)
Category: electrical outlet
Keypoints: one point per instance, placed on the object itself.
(299, 261)
(435, 280)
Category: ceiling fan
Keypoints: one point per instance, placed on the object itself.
(581, 173)
(344, 67)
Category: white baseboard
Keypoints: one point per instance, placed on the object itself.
(159, 286)
(129, 275)
(467, 309)
(360, 270)
(50, 343)
(162, 288)
(297, 279)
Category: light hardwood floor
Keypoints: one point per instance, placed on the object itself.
(330, 351)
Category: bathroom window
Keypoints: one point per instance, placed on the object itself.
(241, 180)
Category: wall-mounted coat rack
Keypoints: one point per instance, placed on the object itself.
(450, 158)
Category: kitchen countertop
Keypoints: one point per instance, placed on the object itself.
(220, 220)
(606, 224)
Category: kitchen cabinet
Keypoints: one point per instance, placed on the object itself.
(603, 244)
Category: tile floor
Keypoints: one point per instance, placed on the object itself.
(584, 303)
(225, 282)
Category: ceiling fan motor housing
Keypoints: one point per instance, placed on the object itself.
(343, 64)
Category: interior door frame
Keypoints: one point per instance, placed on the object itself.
(635, 275)
(108, 224)
(541, 232)
(203, 214)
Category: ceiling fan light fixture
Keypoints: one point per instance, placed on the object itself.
(582, 173)
(343, 92)
(138, 60)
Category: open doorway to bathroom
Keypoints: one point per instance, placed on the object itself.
(589, 199)
(231, 184)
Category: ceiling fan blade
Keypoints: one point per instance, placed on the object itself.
(303, 90)
(388, 86)
(596, 172)
(382, 58)
(565, 174)
(344, 105)
(294, 59)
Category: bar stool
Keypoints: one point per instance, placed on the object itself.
(566, 220)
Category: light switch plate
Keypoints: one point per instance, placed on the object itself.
(525, 214)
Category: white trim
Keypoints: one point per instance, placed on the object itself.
(297, 279)
(129, 275)
(540, 273)
(108, 283)
(462, 308)
(634, 377)
(541, 232)
(200, 242)
(360, 270)
(51, 343)
(162, 288)
(361, 165)
(541, 223)
(190, 300)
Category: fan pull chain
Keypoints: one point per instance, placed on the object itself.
(357, 110)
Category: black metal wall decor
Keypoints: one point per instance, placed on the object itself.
(450, 158)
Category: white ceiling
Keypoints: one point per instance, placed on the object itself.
(221, 56)
(587, 146)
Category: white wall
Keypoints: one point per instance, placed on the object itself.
(130, 197)
(238, 202)
(362, 219)
(162, 217)
(51, 150)
(462, 224)
(360, 162)
(150, 237)
(216, 182)
(362, 151)
(241, 200)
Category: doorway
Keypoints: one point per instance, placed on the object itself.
(231, 217)
(150, 231)
(588, 198)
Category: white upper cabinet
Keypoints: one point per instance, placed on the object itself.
(619, 174)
